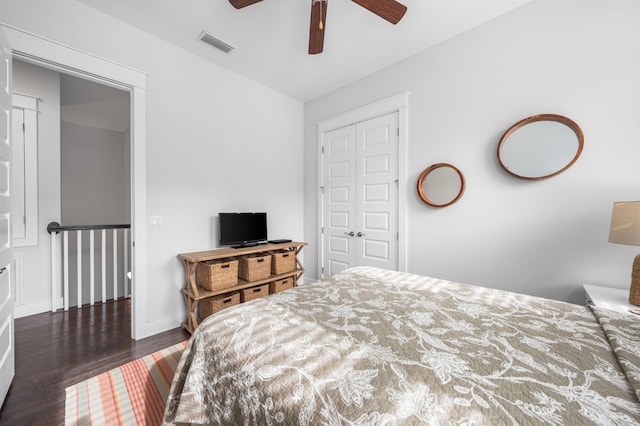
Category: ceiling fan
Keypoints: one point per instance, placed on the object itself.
(389, 10)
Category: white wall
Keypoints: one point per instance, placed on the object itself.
(45, 84)
(577, 58)
(94, 186)
(216, 141)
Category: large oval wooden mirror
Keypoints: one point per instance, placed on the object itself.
(540, 146)
(440, 185)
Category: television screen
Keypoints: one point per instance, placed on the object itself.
(242, 229)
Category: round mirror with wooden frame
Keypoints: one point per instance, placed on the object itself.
(440, 185)
(540, 146)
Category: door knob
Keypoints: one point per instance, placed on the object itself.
(351, 234)
(360, 234)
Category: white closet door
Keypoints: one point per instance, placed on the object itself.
(24, 175)
(339, 212)
(360, 195)
(377, 192)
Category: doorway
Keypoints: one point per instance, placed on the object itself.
(71, 165)
(49, 54)
(362, 188)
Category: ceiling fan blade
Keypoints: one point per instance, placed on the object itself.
(390, 10)
(239, 4)
(317, 26)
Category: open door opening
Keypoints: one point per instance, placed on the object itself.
(71, 149)
(48, 54)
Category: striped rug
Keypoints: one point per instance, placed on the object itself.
(132, 394)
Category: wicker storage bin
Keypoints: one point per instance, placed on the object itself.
(213, 304)
(634, 290)
(280, 285)
(248, 294)
(282, 261)
(255, 267)
(217, 274)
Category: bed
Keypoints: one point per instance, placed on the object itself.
(374, 347)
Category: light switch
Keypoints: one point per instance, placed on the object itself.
(156, 221)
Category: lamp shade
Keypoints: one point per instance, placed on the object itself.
(625, 223)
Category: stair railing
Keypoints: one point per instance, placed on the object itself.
(73, 239)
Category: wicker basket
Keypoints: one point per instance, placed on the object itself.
(213, 304)
(282, 261)
(255, 267)
(280, 285)
(217, 274)
(634, 291)
(248, 294)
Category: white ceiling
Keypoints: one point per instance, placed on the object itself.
(94, 105)
(271, 37)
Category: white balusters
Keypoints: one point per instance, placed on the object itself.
(92, 268)
(79, 267)
(54, 270)
(96, 255)
(104, 268)
(65, 267)
(125, 262)
(115, 264)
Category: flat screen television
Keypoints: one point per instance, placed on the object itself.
(242, 229)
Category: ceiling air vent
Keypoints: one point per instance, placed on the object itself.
(217, 43)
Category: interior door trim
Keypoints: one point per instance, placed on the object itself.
(53, 55)
(400, 104)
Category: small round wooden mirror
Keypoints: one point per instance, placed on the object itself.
(540, 146)
(440, 185)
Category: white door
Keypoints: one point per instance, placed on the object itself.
(338, 199)
(24, 172)
(360, 195)
(7, 360)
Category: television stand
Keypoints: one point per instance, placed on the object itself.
(193, 293)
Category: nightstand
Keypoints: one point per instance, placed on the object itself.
(616, 299)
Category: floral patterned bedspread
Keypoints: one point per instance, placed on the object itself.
(375, 347)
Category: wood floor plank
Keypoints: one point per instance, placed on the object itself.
(57, 350)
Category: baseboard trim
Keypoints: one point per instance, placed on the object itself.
(28, 309)
(156, 327)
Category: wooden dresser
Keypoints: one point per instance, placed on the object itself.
(193, 293)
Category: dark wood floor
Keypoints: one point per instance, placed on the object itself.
(54, 351)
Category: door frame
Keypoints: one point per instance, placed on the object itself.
(400, 104)
(32, 48)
